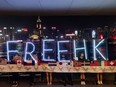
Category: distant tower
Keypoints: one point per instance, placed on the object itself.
(38, 33)
(39, 27)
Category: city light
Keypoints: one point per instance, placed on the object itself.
(44, 27)
(53, 28)
(61, 36)
(101, 36)
(114, 37)
(19, 30)
(24, 29)
(70, 35)
(4, 27)
(56, 36)
(76, 32)
(11, 27)
(46, 36)
(1, 34)
(7, 35)
(93, 34)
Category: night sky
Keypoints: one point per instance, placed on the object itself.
(80, 21)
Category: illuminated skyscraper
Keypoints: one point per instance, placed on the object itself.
(39, 28)
(38, 33)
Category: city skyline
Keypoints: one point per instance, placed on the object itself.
(56, 25)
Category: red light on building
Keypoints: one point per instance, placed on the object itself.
(114, 37)
(24, 29)
(101, 36)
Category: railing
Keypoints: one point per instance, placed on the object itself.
(64, 67)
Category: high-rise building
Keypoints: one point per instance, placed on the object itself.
(39, 27)
(38, 32)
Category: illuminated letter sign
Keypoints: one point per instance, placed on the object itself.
(29, 53)
(61, 51)
(8, 49)
(78, 49)
(46, 49)
(95, 48)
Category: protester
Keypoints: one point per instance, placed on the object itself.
(49, 78)
(49, 75)
(35, 63)
(99, 79)
(17, 59)
(66, 77)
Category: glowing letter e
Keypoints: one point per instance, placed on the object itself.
(29, 53)
(10, 51)
(46, 50)
(61, 51)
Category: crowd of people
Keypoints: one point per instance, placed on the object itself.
(66, 77)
